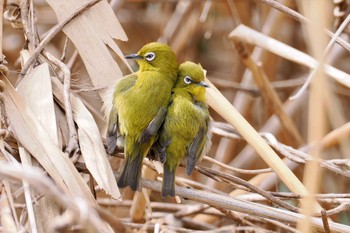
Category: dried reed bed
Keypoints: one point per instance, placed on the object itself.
(279, 90)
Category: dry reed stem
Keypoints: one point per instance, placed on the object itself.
(317, 114)
(230, 203)
(226, 110)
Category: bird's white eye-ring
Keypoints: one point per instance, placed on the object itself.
(187, 80)
(150, 56)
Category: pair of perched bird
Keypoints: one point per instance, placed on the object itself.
(160, 107)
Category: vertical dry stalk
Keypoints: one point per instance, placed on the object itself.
(317, 117)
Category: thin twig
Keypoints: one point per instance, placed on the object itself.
(72, 147)
(278, 6)
(280, 224)
(342, 207)
(253, 188)
(232, 215)
(237, 170)
(325, 221)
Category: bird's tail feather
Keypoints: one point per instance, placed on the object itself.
(131, 171)
(168, 186)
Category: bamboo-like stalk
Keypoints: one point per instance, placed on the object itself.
(221, 105)
(317, 114)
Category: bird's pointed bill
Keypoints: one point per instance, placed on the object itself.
(204, 84)
(133, 56)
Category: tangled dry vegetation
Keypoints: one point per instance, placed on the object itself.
(283, 65)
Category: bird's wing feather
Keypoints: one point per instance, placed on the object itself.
(195, 149)
(122, 85)
(112, 132)
(153, 126)
(163, 142)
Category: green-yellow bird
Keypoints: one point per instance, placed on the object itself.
(185, 130)
(139, 107)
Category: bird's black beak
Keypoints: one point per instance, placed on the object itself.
(203, 84)
(133, 56)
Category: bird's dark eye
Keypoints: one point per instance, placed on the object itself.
(187, 80)
(150, 56)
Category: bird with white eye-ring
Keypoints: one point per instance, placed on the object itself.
(150, 56)
(185, 130)
(139, 105)
(188, 80)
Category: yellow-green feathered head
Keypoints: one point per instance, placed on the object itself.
(191, 78)
(156, 56)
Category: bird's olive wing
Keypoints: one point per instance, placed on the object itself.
(112, 131)
(121, 87)
(195, 149)
(153, 126)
